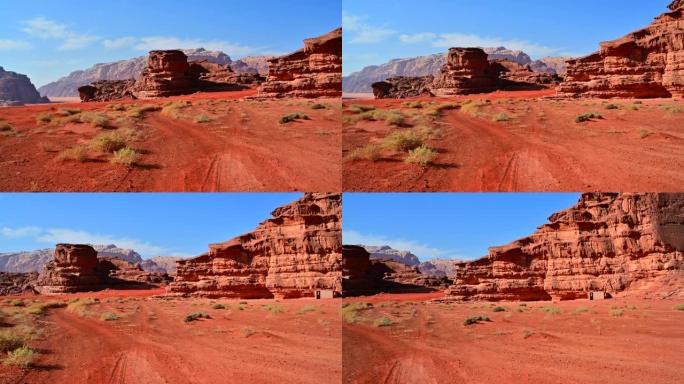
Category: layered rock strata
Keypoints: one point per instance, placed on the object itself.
(312, 72)
(294, 253)
(646, 63)
(466, 71)
(606, 242)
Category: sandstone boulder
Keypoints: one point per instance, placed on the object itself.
(644, 64)
(73, 269)
(107, 90)
(167, 74)
(294, 253)
(466, 71)
(17, 283)
(403, 87)
(314, 71)
(606, 242)
(17, 89)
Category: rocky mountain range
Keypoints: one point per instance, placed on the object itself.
(130, 69)
(360, 82)
(35, 261)
(17, 89)
(432, 267)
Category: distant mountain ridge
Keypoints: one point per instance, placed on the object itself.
(360, 82)
(34, 261)
(128, 69)
(432, 267)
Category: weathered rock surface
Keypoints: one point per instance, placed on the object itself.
(73, 269)
(133, 68)
(292, 254)
(167, 74)
(28, 261)
(314, 71)
(607, 241)
(111, 250)
(17, 89)
(107, 90)
(77, 268)
(514, 76)
(439, 267)
(644, 64)
(164, 264)
(16, 283)
(214, 76)
(403, 87)
(466, 71)
(361, 82)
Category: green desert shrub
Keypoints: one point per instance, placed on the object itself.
(218, 306)
(318, 106)
(422, 156)
(273, 308)
(588, 117)
(372, 152)
(550, 309)
(40, 308)
(358, 108)
(501, 117)
(109, 316)
(612, 106)
(351, 312)
(383, 322)
(475, 319)
(97, 119)
(202, 118)
(196, 316)
(22, 357)
(679, 307)
(403, 141)
(293, 117)
(44, 118)
(77, 153)
(499, 309)
(69, 111)
(108, 142)
(10, 340)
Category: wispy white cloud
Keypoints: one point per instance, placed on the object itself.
(51, 30)
(13, 45)
(468, 40)
(66, 235)
(363, 33)
(19, 232)
(119, 43)
(424, 251)
(417, 37)
(150, 43)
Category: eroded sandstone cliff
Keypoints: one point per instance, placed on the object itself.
(644, 64)
(294, 253)
(607, 241)
(314, 71)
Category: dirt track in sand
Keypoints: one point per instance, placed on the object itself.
(539, 148)
(242, 147)
(150, 343)
(584, 343)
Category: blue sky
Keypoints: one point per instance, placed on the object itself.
(155, 224)
(49, 39)
(380, 30)
(446, 225)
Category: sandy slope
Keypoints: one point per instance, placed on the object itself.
(583, 343)
(242, 148)
(152, 344)
(540, 147)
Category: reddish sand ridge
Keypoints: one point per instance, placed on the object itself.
(540, 148)
(584, 343)
(150, 343)
(242, 148)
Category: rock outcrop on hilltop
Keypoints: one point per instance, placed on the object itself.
(77, 268)
(73, 269)
(294, 253)
(606, 242)
(133, 68)
(169, 73)
(314, 71)
(644, 64)
(361, 81)
(17, 89)
(385, 252)
(164, 264)
(467, 71)
(16, 283)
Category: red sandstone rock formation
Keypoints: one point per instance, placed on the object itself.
(107, 90)
(17, 89)
(77, 268)
(314, 71)
(607, 241)
(403, 87)
(292, 254)
(513, 76)
(73, 269)
(167, 74)
(466, 71)
(16, 283)
(644, 64)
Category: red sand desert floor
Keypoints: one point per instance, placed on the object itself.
(613, 341)
(517, 141)
(258, 341)
(205, 142)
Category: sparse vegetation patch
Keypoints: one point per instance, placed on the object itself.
(196, 316)
(475, 320)
(423, 156)
(293, 117)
